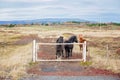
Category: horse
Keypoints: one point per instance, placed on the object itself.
(59, 48)
(81, 40)
(69, 47)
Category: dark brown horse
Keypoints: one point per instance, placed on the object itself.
(69, 47)
(59, 48)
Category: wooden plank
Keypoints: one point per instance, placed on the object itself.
(36, 47)
(84, 52)
(59, 60)
(58, 43)
(34, 51)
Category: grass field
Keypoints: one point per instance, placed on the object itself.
(16, 47)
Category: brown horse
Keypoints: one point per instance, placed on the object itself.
(81, 40)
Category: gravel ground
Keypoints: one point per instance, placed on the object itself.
(66, 70)
(71, 78)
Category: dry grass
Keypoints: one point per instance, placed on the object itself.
(103, 53)
(15, 59)
(15, 64)
(104, 60)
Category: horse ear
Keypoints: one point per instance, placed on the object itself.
(80, 35)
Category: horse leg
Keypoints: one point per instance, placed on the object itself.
(71, 52)
(56, 54)
(67, 53)
(62, 53)
(81, 47)
(86, 48)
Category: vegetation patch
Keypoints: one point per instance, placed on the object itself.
(87, 63)
(32, 63)
(15, 58)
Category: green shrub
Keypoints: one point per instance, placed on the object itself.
(87, 63)
(11, 25)
(97, 24)
(116, 24)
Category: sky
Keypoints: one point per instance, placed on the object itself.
(94, 10)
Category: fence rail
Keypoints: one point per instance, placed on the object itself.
(57, 43)
(60, 60)
(36, 47)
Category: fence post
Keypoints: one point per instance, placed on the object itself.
(84, 51)
(107, 55)
(34, 51)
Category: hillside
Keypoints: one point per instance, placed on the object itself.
(45, 20)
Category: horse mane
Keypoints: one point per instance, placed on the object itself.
(72, 38)
(81, 39)
(60, 40)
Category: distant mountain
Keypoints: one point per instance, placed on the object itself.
(45, 20)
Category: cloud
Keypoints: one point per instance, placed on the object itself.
(32, 12)
(28, 1)
(32, 9)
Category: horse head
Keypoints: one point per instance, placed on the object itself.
(73, 39)
(60, 39)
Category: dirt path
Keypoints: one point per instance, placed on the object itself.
(53, 70)
(67, 71)
(71, 78)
